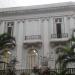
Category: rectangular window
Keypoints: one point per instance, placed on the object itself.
(58, 23)
(10, 26)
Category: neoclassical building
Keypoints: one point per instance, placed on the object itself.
(39, 31)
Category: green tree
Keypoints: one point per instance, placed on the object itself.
(6, 42)
(66, 54)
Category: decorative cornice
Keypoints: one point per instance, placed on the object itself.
(37, 18)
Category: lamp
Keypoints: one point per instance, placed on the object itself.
(34, 50)
(9, 52)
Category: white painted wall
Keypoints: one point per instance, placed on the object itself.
(32, 27)
(36, 24)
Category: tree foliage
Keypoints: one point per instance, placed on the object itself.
(66, 54)
(6, 41)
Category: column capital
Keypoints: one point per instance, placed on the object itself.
(18, 21)
(45, 18)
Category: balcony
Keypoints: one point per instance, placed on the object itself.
(59, 37)
(33, 37)
(33, 40)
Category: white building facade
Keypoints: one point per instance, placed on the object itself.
(38, 31)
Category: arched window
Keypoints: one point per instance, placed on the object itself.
(32, 58)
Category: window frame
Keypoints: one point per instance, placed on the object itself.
(10, 24)
(54, 24)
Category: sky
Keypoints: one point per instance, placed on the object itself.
(17, 3)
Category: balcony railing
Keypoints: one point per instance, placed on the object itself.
(63, 35)
(33, 37)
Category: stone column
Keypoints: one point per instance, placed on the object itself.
(15, 30)
(68, 23)
(51, 25)
(72, 25)
(19, 44)
(15, 34)
(46, 37)
(25, 51)
(66, 26)
(41, 51)
(2, 27)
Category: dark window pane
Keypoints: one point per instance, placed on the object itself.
(56, 20)
(9, 30)
(58, 28)
(60, 19)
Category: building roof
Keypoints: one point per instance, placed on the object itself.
(54, 5)
(38, 8)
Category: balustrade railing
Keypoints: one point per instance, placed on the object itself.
(63, 35)
(32, 37)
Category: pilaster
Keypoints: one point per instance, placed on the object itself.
(71, 24)
(2, 26)
(51, 25)
(46, 37)
(65, 25)
(19, 44)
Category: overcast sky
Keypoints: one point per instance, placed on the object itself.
(16, 3)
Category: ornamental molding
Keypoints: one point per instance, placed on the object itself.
(41, 18)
